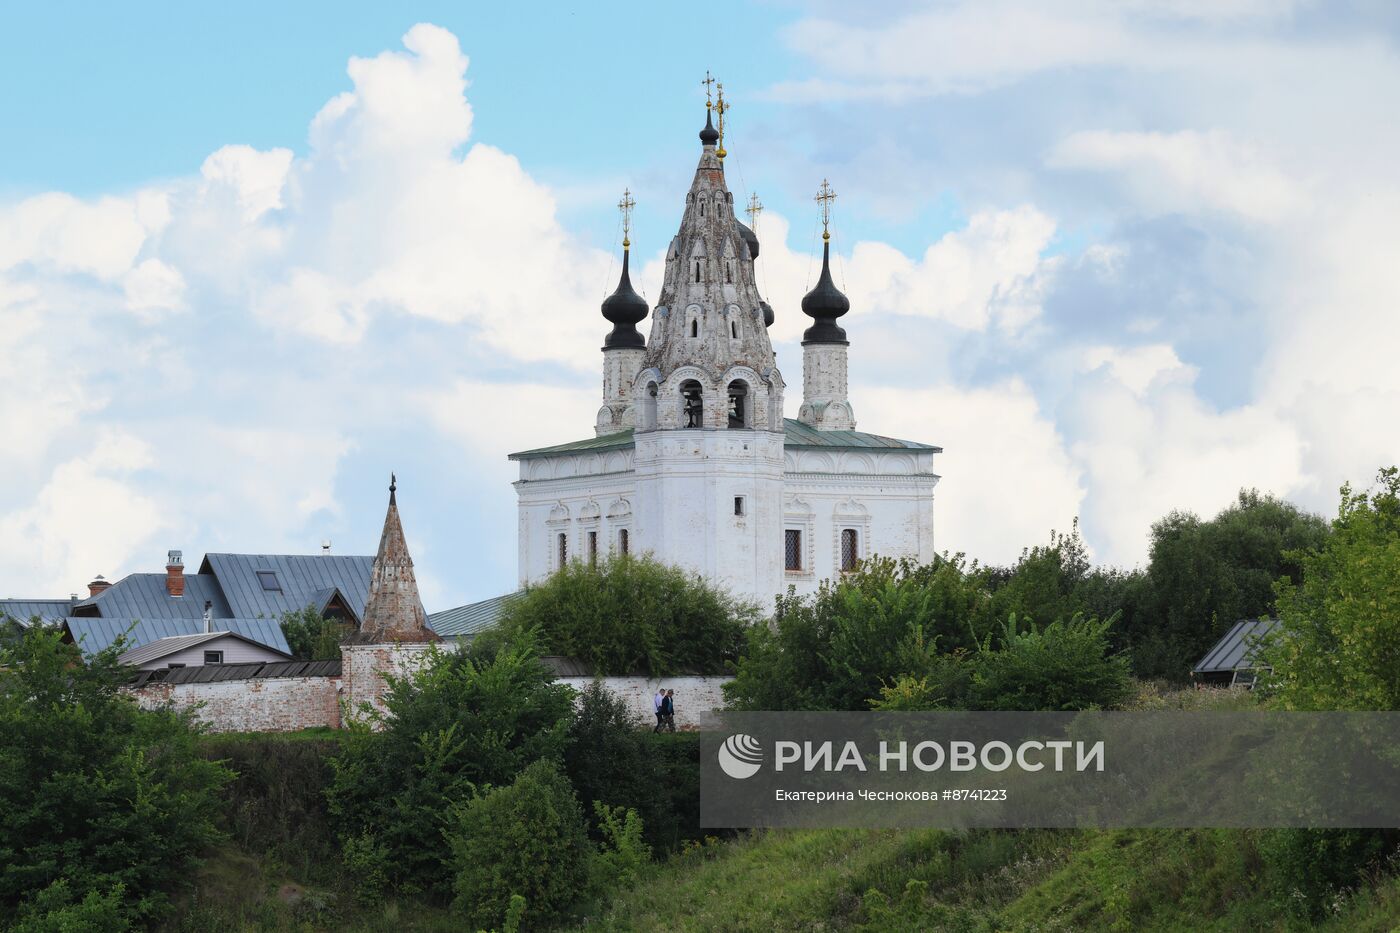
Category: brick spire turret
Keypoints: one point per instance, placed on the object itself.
(393, 612)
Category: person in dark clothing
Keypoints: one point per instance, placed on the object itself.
(668, 711)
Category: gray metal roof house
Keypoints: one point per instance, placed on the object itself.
(1234, 659)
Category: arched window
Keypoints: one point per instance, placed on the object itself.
(649, 408)
(697, 270)
(728, 273)
(850, 549)
(738, 404)
(593, 549)
(692, 404)
(624, 542)
(695, 327)
(702, 207)
(562, 543)
(734, 329)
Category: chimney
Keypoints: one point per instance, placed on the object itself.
(99, 584)
(175, 573)
(208, 615)
(326, 546)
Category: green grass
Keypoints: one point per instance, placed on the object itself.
(983, 881)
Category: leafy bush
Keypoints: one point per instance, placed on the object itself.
(312, 637)
(623, 852)
(529, 839)
(837, 648)
(1307, 867)
(467, 719)
(611, 761)
(1064, 666)
(103, 806)
(276, 803)
(54, 910)
(628, 615)
(1338, 644)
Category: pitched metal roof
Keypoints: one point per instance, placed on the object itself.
(796, 435)
(94, 635)
(304, 580)
(144, 596)
(259, 670)
(1236, 651)
(161, 647)
(471, 618)
(22, 610)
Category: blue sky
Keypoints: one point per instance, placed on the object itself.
(1117, 258)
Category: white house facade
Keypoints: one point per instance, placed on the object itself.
(692, 460)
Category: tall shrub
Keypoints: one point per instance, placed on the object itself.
(103, 806)
(465, 720)
(631, 614)
(528, 839)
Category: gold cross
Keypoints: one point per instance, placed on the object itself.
(753, 210)
(721, 106)
(626, 205)
(707, 82)
(824, 197)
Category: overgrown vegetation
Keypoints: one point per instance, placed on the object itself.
(104, 807)
(629, 615)
(312, 637)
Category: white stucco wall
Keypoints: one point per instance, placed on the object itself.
(697, 699)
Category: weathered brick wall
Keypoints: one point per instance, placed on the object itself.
(281, 704)
(364, 669)
(286, 704)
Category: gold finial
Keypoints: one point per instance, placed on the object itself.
(753, 210)
(626, 205)
(721, 105)
(824, 197)
(708, 82)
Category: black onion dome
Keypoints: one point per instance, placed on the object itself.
(626, 309)
(824, 304)
(750, 238)
(709, 135)
(767, 313)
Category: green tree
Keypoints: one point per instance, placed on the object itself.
(837, 648)
(103, 806)
(1067, 665)
(312, 637)
(528, 839)
(467, 719)
(1204, 576)
(1338, 642)
(633, 614)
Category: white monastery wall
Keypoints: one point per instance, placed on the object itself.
(698, 700)
(280, 704)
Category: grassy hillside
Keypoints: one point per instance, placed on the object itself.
(985, 881)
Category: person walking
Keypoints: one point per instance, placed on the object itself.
(659, 701)
(668, 711)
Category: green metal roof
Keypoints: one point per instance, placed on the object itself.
(470, 619)
(796, 436)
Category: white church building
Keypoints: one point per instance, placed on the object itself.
(692, 459)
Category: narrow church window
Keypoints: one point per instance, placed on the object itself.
(697, 272)
(734, 329)
(692, 404)
(792, 544)
(729, 273)
(738, 505)
(624, 542)
(695, 327)
(563, 546)
(702, 207)
(850, 549)
(593, 549)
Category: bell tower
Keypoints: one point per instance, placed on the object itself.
(709, 397)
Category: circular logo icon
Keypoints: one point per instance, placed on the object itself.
(741, 756)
